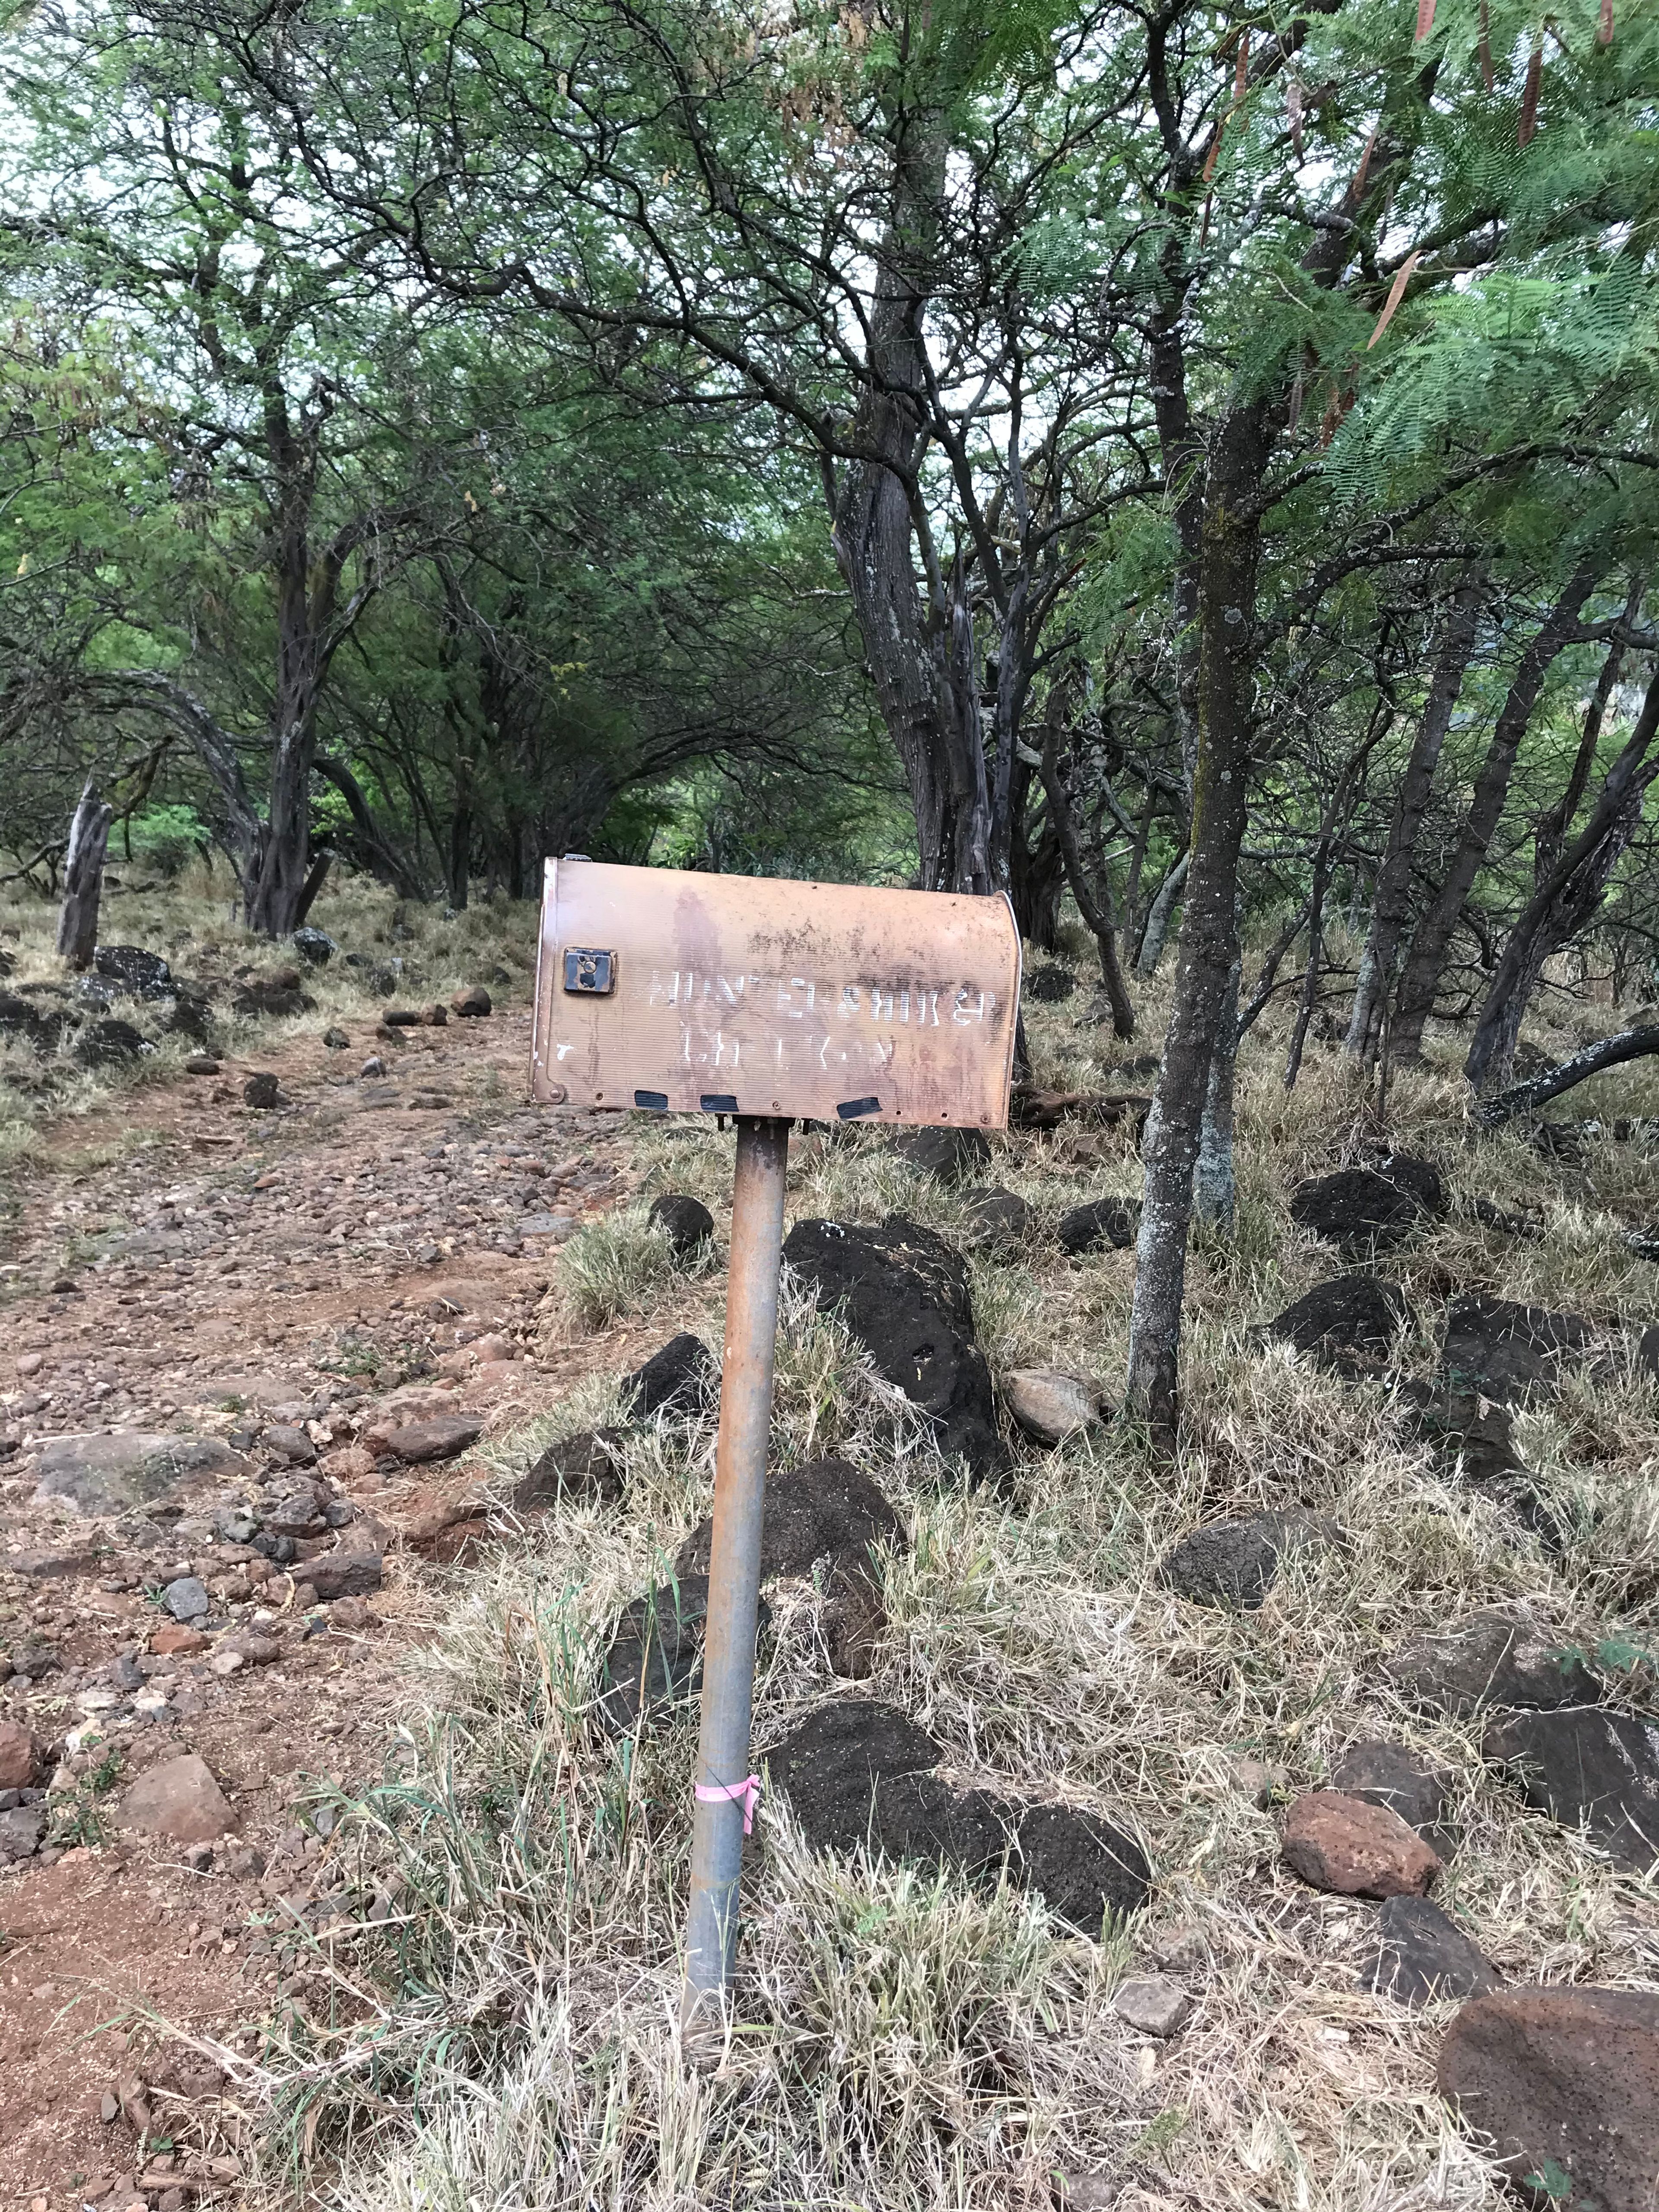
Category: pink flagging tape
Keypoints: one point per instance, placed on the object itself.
(1425, 19)
(731, 1793)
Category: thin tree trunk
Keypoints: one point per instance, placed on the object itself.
(1421, 979)
(1563, 903)
(1092, 903)
(1160, 917)
(83, 878)
(1208, 943)
(1215, 1195)
(1391, 897)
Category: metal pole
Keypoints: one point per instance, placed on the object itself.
(728, 1664)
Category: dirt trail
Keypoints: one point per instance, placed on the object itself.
(274, 1286)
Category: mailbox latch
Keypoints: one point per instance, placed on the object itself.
(588, 968)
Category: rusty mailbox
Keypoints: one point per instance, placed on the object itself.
(732, 995)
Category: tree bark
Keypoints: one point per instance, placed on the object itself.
(922, 660)
(1421, 979)
(1092, 903)
(1608, 1052)
(1209, 936)
(1565, 902)
(1391, 897)
(83, 878)
(1215, 1192)
(1160, 917)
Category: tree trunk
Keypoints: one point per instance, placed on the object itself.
(1427, 957)
(1160, 917)
(922, 660)
(283, 860)
(83, 878)
(458, 864)
(1209, 936)
(1215, 1192)
(1391, 897)
(1093, 902)
(1566, 901)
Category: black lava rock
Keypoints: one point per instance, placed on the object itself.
(1361, 1209)
(142, 974)
(686, 1222)
(1104, 1221)
(857, 1772)
(1491, 1659)
(582, 1468)
(903, 1293)
(683, 1377)
(1508, 1351)
(110, 1043)
(1586, 1768)
(829, 1767)
(1084, 1869)
(996, 1216)
(947, 1155)
(1234, 1564)
(1050, 985)
(826, 1510)
(315, 946)
(260, 1091)
(655, 1662)
(1388, 1775)
(1422, 1954)
(1350, 1324)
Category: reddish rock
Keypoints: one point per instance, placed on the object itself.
(1355, 1849)
(173, 1640)
(347, 1465)
(431, 1514)
(1566, 2082)
(441, 1437)
(180, 1801)
(19, 1756)
(471, 1004)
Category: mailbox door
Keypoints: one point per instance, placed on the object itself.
(685, 992)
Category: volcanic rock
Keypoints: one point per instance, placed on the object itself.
(904, 1294)
(1584, 1766)
(1491, 1659)
(1048, 1404)
(1104, 1221)
(1566, 2081)
(177, 1801)
(107, 1475)
(947, 1155)
(1422, 1955)
(1350, 1324)
(1234, 1564)
(686, 1222)
(824, 1510)
(683, 1378)
(584, 1468)
(1363, 1210)
(1353, 1848)
(1504, 1351)
(996, 1216)
(471, 1004)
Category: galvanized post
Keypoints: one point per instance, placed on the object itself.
(723, 1798)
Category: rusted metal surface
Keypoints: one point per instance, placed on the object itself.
(728, 1665)
(687, 993)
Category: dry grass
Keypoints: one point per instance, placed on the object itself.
(902, 2041)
